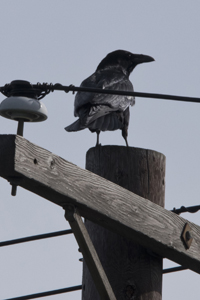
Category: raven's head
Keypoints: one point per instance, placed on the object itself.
(124, 60)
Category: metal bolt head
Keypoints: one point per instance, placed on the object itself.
(188, 235)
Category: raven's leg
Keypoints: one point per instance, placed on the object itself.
(126, 115)
(126, 141)
(98, 133)
(125, 134)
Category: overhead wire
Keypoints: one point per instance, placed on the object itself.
(182, 209)
(174, 269)
(72, 88)
(43, 89)
(35, 237)
(49, 293)
(78, 287)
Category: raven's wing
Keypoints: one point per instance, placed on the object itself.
(106, 79)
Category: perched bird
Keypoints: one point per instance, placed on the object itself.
(101, 112)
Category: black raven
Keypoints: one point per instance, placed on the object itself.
(101, 112)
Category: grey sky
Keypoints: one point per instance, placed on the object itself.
(64, 41)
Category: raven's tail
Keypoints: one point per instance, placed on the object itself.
(76, 126)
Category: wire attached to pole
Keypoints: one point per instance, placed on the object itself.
(43, 89)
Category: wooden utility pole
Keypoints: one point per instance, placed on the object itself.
(133, 271)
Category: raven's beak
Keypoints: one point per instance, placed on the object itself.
(140, 58)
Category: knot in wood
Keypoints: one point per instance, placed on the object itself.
(52, 163)
(130, 292)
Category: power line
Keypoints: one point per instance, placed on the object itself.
(182, 209)
(49, 293)
(35, 237)
(78, 287)
(64, 232)
(42, 90)
(175, 269)
(126, 93)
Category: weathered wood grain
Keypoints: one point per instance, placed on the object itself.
(98, 200)
(132, 270)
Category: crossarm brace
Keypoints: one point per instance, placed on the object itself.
(89, 253)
